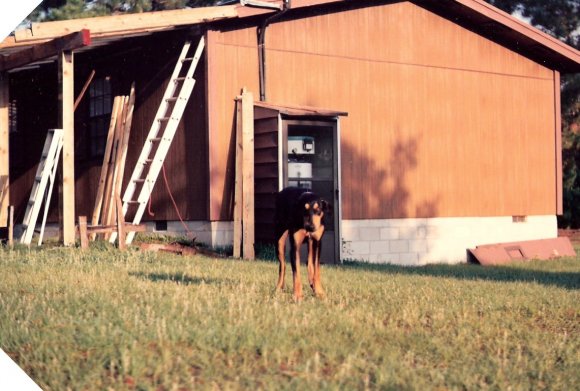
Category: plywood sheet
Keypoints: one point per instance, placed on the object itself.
(544, 249)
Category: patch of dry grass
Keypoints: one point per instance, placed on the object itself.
(105, 319)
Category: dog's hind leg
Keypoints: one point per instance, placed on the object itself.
(296, 241)
(280, 250)
(316, 250)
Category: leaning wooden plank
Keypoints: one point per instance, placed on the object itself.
(108, 217)
(84, 90)
(128, 22)
(105, 167)
(248, 175)
(45, 50)
(122, 151)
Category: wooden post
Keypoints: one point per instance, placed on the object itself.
(238, 183)
(67, 212)
(121, 236)
(248, 175)
(83, 232)
(11, 226)
(4, 143)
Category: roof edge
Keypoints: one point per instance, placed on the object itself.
(106, 25)
(514, 24)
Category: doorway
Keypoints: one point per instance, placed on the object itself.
(297, 146)
(311, 162)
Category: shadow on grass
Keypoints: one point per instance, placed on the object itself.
(563, 279)
(180, 279)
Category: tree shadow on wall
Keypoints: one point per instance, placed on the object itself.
(374, 191)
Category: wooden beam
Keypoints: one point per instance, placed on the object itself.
(125, 23)
(558, 135)
(66, 122)
(4, 150)
(45, 50)
(238, 182)
(248, 232)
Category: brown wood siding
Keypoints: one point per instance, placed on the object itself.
(233, 64)
(441, 121)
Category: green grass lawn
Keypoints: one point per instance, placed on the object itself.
(104, 319)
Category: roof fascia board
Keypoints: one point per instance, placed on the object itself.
(106, 25)
(521, 27)
(45, 50)
(479, 6)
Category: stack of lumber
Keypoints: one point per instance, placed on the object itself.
(108, 193)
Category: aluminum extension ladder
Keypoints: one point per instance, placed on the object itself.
(160, 135)
(45, 176)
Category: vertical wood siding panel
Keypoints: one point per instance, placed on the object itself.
(235, 66)
(442, 122)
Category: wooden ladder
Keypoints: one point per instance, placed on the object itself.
(45, 175)
(160, 135)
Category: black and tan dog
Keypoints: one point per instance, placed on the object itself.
(299, 216)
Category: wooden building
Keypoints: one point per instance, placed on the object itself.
(435, 125)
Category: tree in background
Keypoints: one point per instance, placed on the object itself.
(72, 9)
(561, 19)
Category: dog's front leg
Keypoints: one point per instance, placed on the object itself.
(280, 250)
(297, 239)
(317, 248)
(310, 263)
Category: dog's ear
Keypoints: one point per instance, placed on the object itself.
(326, 207)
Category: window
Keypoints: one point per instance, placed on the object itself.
(13, 116)
(100, 103)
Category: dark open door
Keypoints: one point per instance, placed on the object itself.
(297, 147)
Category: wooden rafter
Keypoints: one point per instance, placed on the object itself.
(45, 50)
(105, 25)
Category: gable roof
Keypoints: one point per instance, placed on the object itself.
(475, 15)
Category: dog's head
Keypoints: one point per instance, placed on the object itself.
(314, 209)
